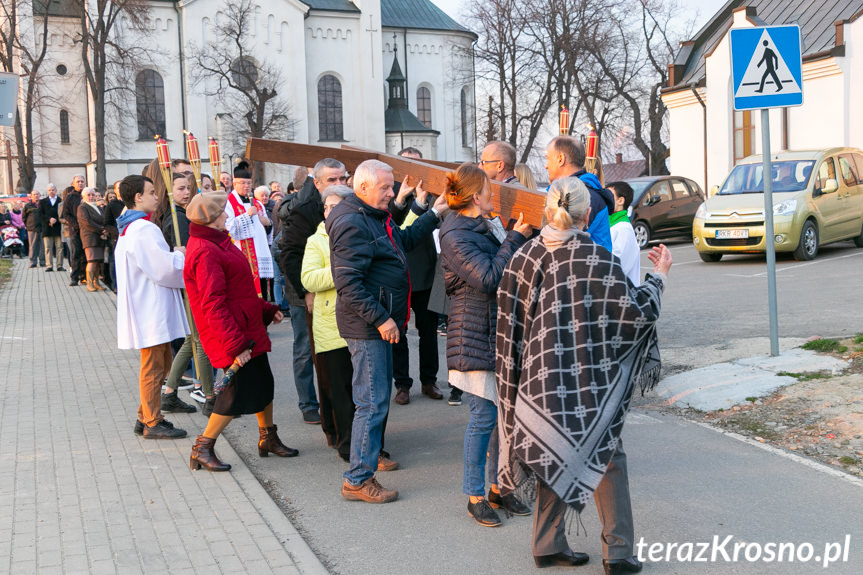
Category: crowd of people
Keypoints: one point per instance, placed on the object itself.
(548, 331)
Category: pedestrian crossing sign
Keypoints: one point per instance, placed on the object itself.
(766, 66)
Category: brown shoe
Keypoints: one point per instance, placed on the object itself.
(386, 464)
(432, 391)
(403, 396)
(369, 491)
(270, 443)
(204, 456)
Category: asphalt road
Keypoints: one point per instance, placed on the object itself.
(688, 483)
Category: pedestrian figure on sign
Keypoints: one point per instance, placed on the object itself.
(770, 60)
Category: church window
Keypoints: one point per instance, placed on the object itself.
(464, 140)
(64, 127)
(150, 95)
(244, 73)
(424, 106)
(330, 109)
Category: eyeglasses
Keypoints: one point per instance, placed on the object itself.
(484, 162)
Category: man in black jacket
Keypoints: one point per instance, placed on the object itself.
(49, 217)
(372, 282)
(71, 201)
(34, 230)
(422, 261)
(306, 212)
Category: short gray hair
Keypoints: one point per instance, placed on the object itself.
(261, 189)
(569, 200)
(90, 190)
(506, 151)
(367, 173)
(339, 190)
(326, 163)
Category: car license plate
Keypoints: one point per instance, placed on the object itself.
(731, 234)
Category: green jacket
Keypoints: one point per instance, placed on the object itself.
(317, 278)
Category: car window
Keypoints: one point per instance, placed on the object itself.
(680, 190)
(826, 171)
(848, 171)
(788, 176)
(695, 189)
(660, 189)
(858, 162)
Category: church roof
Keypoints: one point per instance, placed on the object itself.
(332, 5)
(418, 14)
(817, 20)
(415, 14)
(403, 120)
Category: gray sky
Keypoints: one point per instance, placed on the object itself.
(701, 10)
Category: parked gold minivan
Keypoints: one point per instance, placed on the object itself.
(817, 199)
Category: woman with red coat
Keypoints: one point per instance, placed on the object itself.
(229, 316)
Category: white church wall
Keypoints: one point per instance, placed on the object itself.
(349, 48)
(436, 60)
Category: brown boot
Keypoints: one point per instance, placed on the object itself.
(90, 282)
(203, 455)
(270, 443)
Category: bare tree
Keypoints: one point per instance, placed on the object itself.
(247, 86)
(23, 54)
(107, 58)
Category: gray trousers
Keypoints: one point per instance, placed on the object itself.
(37, 253)
(612, 503)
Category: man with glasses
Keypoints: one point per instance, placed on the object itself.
(301, 223)
(498, 161)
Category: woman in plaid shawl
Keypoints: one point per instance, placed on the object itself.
(573, 335)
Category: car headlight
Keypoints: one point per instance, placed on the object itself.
(786, 208)
(702, 212)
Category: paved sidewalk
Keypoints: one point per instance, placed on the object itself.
(79, 492)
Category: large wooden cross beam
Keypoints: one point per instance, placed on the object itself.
(509, 199)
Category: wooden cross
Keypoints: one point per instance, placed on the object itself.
(509, 199)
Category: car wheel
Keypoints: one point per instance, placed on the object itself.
(858, 241)
(710, 258)
(642, 234)
(807, 248)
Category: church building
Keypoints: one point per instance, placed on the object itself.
(378, 74)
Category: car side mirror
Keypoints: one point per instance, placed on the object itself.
(830, 186)
(714, 190)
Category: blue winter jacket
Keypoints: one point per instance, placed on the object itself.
(601, 205)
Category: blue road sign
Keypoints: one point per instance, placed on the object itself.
(767, 67)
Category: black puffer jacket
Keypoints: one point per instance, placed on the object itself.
(473, 262)
(369, 268)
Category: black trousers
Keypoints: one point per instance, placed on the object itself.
(337, 363)
(426, 324)
(77, 259)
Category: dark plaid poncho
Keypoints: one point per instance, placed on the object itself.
(572, 338)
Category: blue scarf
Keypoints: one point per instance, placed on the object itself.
(127, 217)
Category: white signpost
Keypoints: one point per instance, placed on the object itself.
(767, 69)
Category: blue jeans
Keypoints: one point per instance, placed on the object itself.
(279, 288)
(480, 440)
(304, 374)
(372, 360)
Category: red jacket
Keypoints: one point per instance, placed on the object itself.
(225, 305)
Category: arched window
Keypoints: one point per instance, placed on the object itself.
(424, 106)
(150, 93)
(244, 73)
(64, 127)
(330, 109)
(464, 118)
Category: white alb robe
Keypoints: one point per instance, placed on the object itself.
(149, 288)
(242, 227)
(625, 247)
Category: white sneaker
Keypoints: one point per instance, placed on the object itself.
(198, 395)
(187, 382)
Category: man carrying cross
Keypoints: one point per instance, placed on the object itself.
(246, 220)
